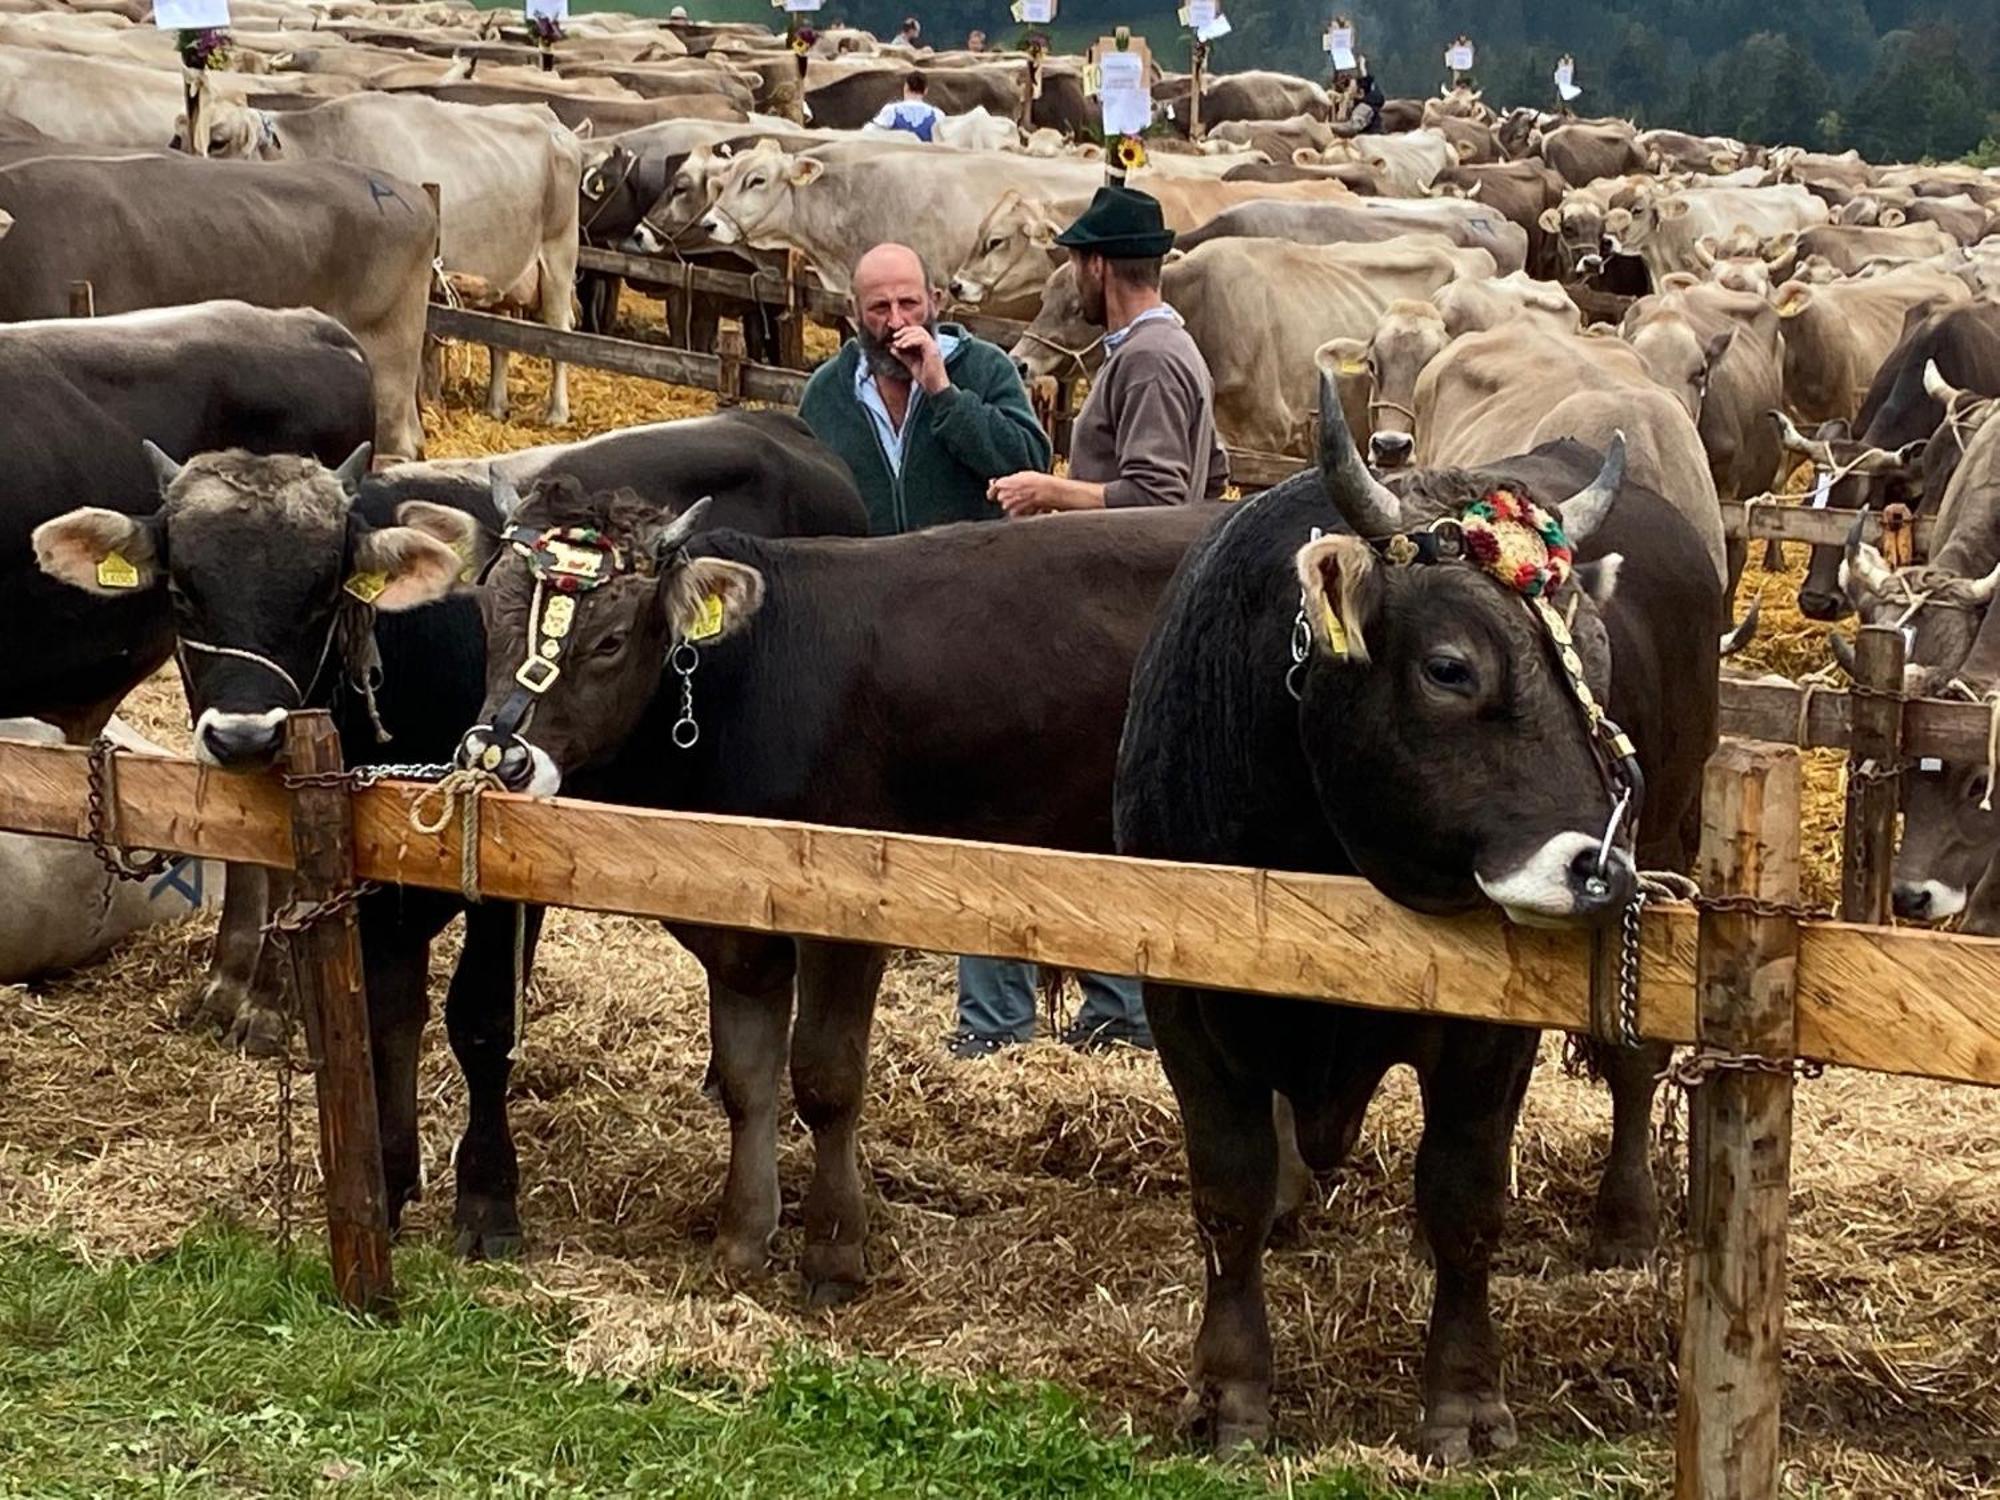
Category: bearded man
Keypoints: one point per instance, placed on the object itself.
(923, 413)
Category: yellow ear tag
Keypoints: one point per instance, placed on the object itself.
(1336, 633)
(1351, 366)
(114, 572)
(708, 623)
(367, 587)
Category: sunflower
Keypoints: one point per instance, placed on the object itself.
(1131, 153)
(803, 39)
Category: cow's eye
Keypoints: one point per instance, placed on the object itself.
(609, 644)
(995, 243)
(1449, 673)
(755, 182)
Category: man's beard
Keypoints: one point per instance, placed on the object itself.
(1091, 294)
(881, 362)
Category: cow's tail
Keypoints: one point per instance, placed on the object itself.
(1743, 634)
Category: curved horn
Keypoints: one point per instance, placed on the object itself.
(683, 526)
(354, 468)
(1843, 651)
(164, 469)
(501, 489)
(1585, 511)
(1368, 506)
(1819, 451)
(1704, 252)
(1937, 387)
(1864, 562)
(1980, 590)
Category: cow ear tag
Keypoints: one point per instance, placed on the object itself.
(114, 572)
(1352, 366)
(367, 587)
(1336, 633)
(708, 623)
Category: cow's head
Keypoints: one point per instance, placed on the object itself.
(1447, 740)
(583, 607)
(234, 130)
(753, 204)
(1850, 474)
(1678, 357)
(1062, 340)
(1939, 610)
(1379, 375)
(674, 218)
(1012, 254)
(260, 556)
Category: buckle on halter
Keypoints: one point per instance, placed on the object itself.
(537, 673)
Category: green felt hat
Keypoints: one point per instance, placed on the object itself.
(1121, 223)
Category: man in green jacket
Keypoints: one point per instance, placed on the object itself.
(922, 412)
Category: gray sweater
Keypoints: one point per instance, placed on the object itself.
(1147, 428)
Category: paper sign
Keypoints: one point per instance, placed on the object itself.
(1343, 60)
(1122, 93)
(1339, 39)
(1217, 28)
(1205, 19)
(1566, 87)
(191, 15)
(1822, 489)
(1034, 12)
(802, 7)
(547, 10)
(1458, 57)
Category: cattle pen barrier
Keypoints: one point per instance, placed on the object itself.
(1741, 974)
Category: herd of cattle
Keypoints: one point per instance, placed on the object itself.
(1307, 680)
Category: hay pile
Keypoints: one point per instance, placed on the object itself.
(1031, 1210)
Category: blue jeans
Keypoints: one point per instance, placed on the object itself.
(996, 998)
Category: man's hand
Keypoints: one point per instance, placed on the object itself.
(1030, 493)
(918, 351)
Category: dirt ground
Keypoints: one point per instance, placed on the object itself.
(1031, 1209)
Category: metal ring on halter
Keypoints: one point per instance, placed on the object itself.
(684, 665)
(686, 733)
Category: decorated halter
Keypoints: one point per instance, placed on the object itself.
(1522, 547)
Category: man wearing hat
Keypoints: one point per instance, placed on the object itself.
(1146, 434)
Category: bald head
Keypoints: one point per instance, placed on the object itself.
(892, 265)
(892, 291)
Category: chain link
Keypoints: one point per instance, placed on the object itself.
(102, 803)
(295, 918)
(1629, 963)
(360, 777)
(287, 1176)
(684, 658)
(1692, 1071)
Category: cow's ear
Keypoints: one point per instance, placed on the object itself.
(1717, 346)
(805, 170)
(473, 543)
(97, 550)
(1551, 220)
(400, 567)
(1780, 246)
(710, 598)
(1042, 233)
(1793, 298)
(1340, 590)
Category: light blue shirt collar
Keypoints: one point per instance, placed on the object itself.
(1150, 315)
(870, 397)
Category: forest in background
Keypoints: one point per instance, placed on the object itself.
(1899, 80)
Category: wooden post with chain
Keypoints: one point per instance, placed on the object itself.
(326, 956)
(1874, 786)
(792, 321)
(1740, 1128)
(430, 383)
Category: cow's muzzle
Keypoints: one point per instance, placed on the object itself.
(1926, 900)
(1572, 879)
(1823, 604)
(1390, 450)
(520, 766)
(237, 741)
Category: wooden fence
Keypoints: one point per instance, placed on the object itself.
(1736, 980)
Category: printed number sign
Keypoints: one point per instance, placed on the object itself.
(1034, 12)
(1458, 57)
(191, 15)
(1123, 95)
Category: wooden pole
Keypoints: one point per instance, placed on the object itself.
(792, 321)
(431, 374)
(1199, 65)
(1740, 1130)
(1874, 759)
(327, 961)
(729, 351)
(82, 300)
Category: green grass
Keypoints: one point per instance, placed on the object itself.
(219, 1369)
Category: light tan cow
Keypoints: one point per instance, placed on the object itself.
(1664, 231)
(1721, 355)
(1409, 162)
(1260, 309)
(1509, 389)
(1838, 334)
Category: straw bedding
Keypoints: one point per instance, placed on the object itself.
(1031, 1210)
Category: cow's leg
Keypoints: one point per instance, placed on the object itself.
(1232, 1151)
(1473, 1087)
(479, 1019)
(557, 309)
(1626, 1228)
(263, 1022)
(238, 941)
(395, 956)
(496, 383)
(837, 987)
(1295, 1178)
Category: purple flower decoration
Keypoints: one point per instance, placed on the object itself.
(202, 49)
(548, 31)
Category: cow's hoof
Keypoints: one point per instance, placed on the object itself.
(1623, 1252)
(488, 1229)
(1229, 1421)
(1464, 1427)
(743, 1258)
(213, 1006)
(556, 418)
(1288, 1231)
(833, 1274)
(258, 1030)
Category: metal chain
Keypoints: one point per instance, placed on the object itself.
(1629, 962)
(102, 803)
(1692, 1071)
(286, 1175)
(360, 777)
(684, 658)
(297, 917)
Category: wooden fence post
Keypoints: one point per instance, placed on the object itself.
(1740, 1129)
(82, 300)
(327, 962)
(1874, 786)
(431, 376)
(792, 321)
(729, 351)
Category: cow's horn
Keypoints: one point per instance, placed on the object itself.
(1843, 651)
(1818, 451)
(1937, 387)
(683, 526)
(1980, 591)
(1865, 564)
(354, 467)
(1585, 511)
(1368, 506)
(506, 496)
(164, 468)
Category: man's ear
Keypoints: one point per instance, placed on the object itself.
(99, 551)
(1341, 587)
(400, 567)
(710, 598)
(473, 543)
